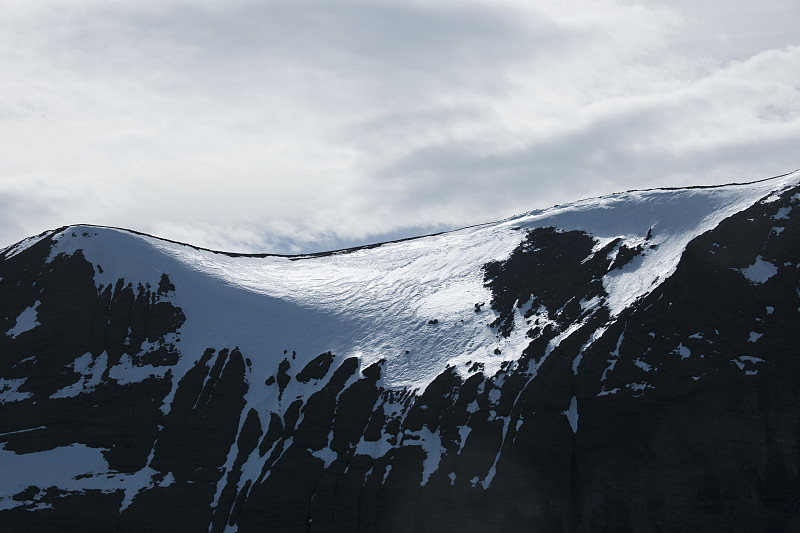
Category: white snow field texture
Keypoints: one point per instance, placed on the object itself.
(376, 303)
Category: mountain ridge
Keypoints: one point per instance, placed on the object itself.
(618, 363)
(381, 243)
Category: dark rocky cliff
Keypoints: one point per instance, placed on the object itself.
(681, 413)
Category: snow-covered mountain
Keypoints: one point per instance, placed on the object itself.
(624, 363)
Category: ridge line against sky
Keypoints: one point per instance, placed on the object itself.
(290, 127)
(375, 244)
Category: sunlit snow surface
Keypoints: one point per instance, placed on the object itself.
(377, 303)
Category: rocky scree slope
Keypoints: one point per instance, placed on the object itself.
(625, 363)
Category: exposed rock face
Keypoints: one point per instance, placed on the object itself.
(681, 412)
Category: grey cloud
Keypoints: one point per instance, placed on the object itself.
(397, 34)
(290, 126)
(23, 215)
(735, 30)
(602, 158)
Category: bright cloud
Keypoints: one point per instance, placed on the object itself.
(286, 126)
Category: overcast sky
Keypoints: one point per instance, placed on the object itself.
(287, 126)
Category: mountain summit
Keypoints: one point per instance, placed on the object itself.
(624, 363)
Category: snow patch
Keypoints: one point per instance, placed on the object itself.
(748, 364)
(487, 481)
(578, 358)
(759, 272)
(139, 481)
(126, 372)
(26, 321)
(73, 468)
(587, 305)
(639, 387)
(782, 214)
(683, 351)
(326, 455)
(615, 356)
(494, 396)
(463, 433)
(9, 390)
(572, 414)
(431, 444)
(374, 449)
(91, 374)
(21, 246)
(754, 336)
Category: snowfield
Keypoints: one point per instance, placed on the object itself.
(380, 303)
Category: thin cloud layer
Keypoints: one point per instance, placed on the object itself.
(285, 126)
